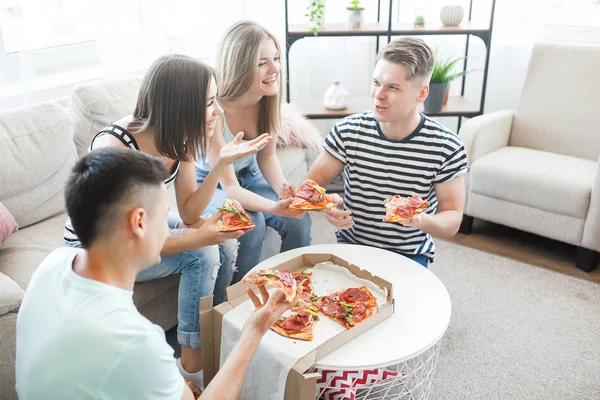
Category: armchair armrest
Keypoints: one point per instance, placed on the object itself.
(591, 229)
(486, 133)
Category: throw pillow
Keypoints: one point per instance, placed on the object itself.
(297, 131)
(8, 225)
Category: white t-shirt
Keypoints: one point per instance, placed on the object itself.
(82, 339)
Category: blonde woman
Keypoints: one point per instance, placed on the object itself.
(249, 74)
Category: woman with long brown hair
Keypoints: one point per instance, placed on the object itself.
(174, 120)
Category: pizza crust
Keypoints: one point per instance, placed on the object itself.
(301, 335)
(224, 228)
(304, 205)
(392, 217)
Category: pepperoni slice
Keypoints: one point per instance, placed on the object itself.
(334, 309)
(353, 295)
(305, 191)
(303, 317)
(292, 325)
(285, 277)
(415, 202)
(359, 309)
(405, 211)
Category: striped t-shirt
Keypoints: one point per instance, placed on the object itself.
(376, 167)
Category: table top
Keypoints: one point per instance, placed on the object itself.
(421, 315)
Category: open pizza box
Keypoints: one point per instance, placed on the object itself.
(299, 385)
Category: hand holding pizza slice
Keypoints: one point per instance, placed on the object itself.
(234, 217)
(400, 208)
(311, 197)
(273, 278)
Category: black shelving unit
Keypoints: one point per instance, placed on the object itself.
(457, 106)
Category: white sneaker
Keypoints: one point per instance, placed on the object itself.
(197, 378)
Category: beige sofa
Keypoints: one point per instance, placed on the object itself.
(38, 147)
(537, 168)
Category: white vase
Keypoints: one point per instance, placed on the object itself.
(335, 97)
(452, 15)
(355, 18)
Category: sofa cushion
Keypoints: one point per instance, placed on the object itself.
(293, 163)
(8, 225)
(96, 104)
(36, 156)
(11, 294)
(560, 115)
(21, 254)
(548, 181)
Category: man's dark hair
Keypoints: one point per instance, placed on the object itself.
(102, 182)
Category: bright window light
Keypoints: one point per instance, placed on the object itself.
(37, 24)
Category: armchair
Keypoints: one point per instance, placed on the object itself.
(537, 168)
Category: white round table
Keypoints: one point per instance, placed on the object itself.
(406, 343)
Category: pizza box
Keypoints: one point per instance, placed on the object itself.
(299, 385)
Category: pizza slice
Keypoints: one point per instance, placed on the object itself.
(398, 208)
(273, 278)
(304, 283)
(311, 197)
(234, 217)
(297, 326)
(348, 307)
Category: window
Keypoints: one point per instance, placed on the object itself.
(577, 13)
(38, 24)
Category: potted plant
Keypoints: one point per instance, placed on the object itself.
(355, 14)
(315, 11)
(440, 78)
(419, 21)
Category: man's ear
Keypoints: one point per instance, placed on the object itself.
(423, 93)
(138, 220)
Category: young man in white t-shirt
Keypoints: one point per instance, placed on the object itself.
(79, 335)
(395, 150)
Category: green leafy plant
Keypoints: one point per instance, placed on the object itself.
(315, 12)
(419, 20)
(442, 70)
(355, 6)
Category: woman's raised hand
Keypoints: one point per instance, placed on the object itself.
(235, 149)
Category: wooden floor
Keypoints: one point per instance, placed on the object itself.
(525, 247)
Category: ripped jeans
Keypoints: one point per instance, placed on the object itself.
(199, 270)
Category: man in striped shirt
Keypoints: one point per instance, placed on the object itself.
(395, 150)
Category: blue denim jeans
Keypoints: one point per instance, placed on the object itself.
(294, 232)
(199, 270)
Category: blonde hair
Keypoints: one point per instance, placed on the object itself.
(237, 60)
(411, 52)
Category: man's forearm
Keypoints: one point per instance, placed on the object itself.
(178, 244)
(443, 224)
(228, 382)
